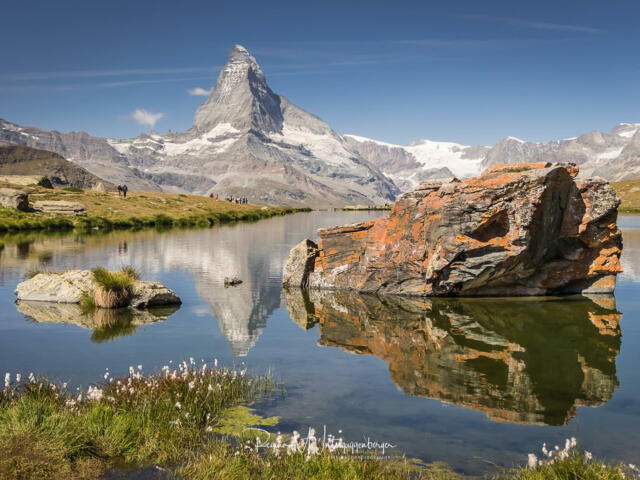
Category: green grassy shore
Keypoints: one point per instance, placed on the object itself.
(191, 421)
(139, 210)
(629, 193)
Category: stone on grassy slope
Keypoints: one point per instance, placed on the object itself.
(12, 198)
(60, 207)
(520, 229)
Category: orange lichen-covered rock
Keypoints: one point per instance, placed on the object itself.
(517, 229)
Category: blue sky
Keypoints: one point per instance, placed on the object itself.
(466, 71)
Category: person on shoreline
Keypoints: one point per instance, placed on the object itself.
(119, 190)
(124, 191)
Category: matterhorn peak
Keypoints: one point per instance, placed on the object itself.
(241, 98)
(239, 53)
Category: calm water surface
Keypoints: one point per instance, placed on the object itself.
(471, 382)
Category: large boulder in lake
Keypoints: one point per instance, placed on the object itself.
(518, 229)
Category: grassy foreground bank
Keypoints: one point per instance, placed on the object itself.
(179, 419)
(138, 210)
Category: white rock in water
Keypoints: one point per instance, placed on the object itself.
(66, 287)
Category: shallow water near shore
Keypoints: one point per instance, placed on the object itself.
(472, 382)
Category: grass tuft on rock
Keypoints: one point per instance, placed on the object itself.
(29, 274)
(112, 281)
(113, 289)
(131, 272)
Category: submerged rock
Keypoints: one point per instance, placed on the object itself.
(232, 281)
(516, 230)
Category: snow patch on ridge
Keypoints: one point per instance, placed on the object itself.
(628, 130)
(321, 145)
(209, 141)
(435, 155)
(609, 154)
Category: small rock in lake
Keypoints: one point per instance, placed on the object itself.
(231, 281)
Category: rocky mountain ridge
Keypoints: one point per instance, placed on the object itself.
(614, 156)
(293, 156)
(296, 159)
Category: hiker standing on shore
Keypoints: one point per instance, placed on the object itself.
(119, 190)
(124, 190)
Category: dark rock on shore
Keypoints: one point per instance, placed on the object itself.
(516, 230)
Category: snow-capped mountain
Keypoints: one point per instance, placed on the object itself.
(420, 160)
(248, 141)
(245, 141)
(614, 156)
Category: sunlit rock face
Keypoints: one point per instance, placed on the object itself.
(516, 230)
(521, 361)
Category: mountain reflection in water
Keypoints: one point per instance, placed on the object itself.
(529, 361)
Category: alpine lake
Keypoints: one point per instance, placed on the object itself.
(471, 382)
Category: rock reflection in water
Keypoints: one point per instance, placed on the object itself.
(518, 360)
(106, 324)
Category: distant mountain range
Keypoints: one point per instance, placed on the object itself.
(614, 156)
(248, 141)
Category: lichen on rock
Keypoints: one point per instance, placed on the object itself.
(516, 230)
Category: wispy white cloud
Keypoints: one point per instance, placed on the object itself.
(91, 85)
(145, 117)
(201, 92)
(25, 76)
(518, 22)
